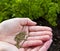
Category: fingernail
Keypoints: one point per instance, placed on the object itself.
(34, 22)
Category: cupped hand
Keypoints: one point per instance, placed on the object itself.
(10, 28)
(38, 35)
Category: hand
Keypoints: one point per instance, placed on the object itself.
(38, 34)
(44, 47)
(10, 28)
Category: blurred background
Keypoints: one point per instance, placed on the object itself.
(44, 12)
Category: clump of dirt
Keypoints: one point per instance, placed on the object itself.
(19, 37)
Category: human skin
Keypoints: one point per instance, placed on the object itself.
(4, 46)
(39, 35)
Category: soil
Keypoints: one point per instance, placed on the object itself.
(56, 32)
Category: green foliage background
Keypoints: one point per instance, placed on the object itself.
(33, 9)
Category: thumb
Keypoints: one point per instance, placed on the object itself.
(4, 46)
(25, 21)
(46, 45)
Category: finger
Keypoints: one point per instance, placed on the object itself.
(43, 38)
(32, 43)
(36, 48)
(29, 49)
(25, 21)
(46, 45)
(21, 49)
(40, 33)
(39, 28)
